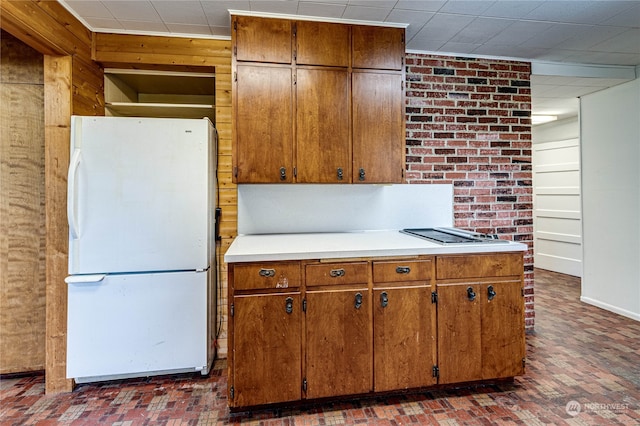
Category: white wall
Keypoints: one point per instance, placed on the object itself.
(556, 197)
(297, 208)
(610, 138)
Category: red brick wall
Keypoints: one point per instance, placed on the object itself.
(469, 124)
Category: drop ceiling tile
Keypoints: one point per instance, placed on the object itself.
(605, 58)
(551, 37)
(583, 12)
(481, 30)
(217, 12)
(189, 29)
(459, 48)
(626, 42)
(415, 19)
(587, 36)
(387, 4)
(510, 8)
(144, 26)
(510, 51)
(428, 6)
(519, 32)
(463, 7)
(424, 43)
(104, 24)
(443, 27)
(364, 13)
(224, 31)
(286, 7)
(181, 12)
(321, 9)
(133, 10)
(626, 18)
(344, 2)
(89, 9)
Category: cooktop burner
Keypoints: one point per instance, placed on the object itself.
(452, 236)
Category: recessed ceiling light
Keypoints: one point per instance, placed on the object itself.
(539, 119)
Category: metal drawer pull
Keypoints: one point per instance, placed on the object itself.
(403, 270)
(358, 303)
(283, 173)
(361, 175)
(340, 173)
(471, 294)
(337, 273)
(289, 305)
(491, 293)
(384, 299)
(267, 273)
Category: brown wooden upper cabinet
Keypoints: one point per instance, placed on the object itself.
(317, 102)
(262, 39)
(378, 47)
(322, 119)
(264, 133)
(322, 43)
(378, 127)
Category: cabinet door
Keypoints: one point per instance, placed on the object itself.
(266, 349)
(264, 109)
(322, 43)
(404, 338)
(503, 340)
(338, 333)
(378, 47)
(322, 114)
(459, 332)
(262, 39)
(378, 127)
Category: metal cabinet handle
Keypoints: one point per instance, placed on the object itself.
(361, 175)
(283, 173)
(340, 173)
(337, 273)
(471, 294)
(358, 302)
(403, 270)
(267, 273)
(384, 299)
(491, 293)
(289, 305)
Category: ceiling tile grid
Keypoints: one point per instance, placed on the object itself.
(604, 32)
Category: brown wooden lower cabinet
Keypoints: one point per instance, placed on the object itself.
(266, 351)
(338, 345)
(365, 326)
(404, 324)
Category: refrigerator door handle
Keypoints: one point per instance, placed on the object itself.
(85, 279)
(71, 191)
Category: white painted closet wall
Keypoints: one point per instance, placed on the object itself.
(556, 197)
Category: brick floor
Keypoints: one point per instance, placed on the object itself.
(583, 368)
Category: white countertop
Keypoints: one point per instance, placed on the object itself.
(270, 247)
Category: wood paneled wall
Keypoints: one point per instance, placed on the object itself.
(73, 84)
(22, 208)
(131, 51)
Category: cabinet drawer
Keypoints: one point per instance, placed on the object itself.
(399, 271)
(266, 276)
(337, 273)
(479, 265)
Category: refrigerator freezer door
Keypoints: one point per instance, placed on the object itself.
(139, 195)
(129, 325)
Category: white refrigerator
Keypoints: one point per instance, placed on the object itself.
(142, 269)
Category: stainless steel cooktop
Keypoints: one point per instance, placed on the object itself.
(452, 236)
